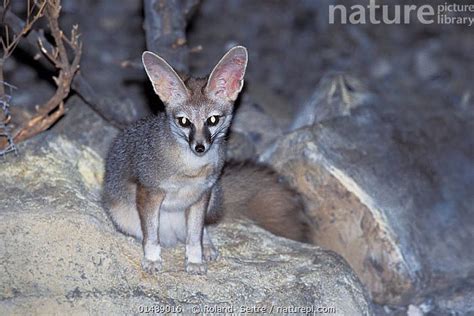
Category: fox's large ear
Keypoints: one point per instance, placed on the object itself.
(166, 82)
(227, 77)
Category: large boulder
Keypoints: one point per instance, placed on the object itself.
(389, 187)
(60, 253)
(84, 127)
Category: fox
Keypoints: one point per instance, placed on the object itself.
(166, 176)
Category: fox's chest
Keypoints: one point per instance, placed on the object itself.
(192, 177)
(182, 192)
(186, 187)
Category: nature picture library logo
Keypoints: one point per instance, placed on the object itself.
(374, 13)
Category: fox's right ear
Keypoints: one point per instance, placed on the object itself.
(166, 82)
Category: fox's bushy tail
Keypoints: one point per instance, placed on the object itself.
(257, 193)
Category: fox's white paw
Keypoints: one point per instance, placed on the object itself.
(196, 268)
(151, 266)
(209, 252)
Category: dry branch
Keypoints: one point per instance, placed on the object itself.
(9, 42)
(51, 111)
(80, 85)
(165, 27)
(48, 113)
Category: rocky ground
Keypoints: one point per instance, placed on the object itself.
(372, 124)
(60, 253)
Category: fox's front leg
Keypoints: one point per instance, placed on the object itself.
(148, 205)
(209, 251)
(194, 226)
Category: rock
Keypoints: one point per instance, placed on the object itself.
(272, 104)
(60, 253)
(240, 147)
(425, 63)
(381, 68)
(255, 126)
(85, 127)
(390, 189)
(457, 300)
(414, 311)
(337, 94)
(259, 119)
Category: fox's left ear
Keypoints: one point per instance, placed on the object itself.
(227, 77)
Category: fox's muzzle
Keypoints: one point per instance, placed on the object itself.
(200, 140)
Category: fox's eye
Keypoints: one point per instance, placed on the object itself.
(184, 122)
(213, 120)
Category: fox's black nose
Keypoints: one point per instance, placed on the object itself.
(199, 148)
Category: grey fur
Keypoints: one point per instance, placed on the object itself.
(161, 177)
(159, 188)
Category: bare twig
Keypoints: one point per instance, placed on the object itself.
(80, 85)
(9, 42)
(53, 109)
